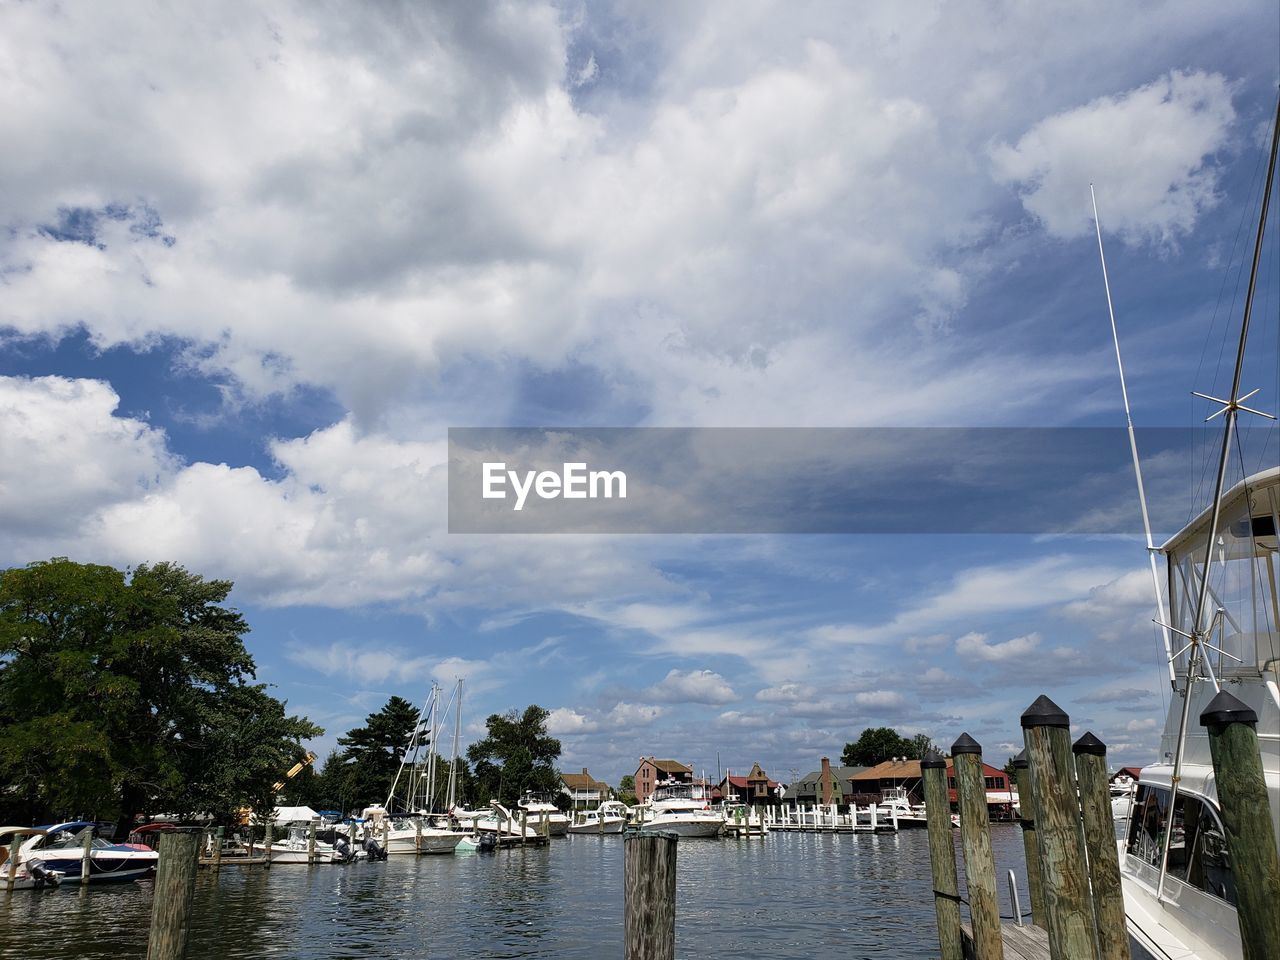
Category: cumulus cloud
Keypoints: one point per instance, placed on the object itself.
(692, 686)
(65, 454)
(1149, 152)
(977, 646)
(879, 699)
(564, 721)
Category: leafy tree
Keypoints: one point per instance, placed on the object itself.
(126, 695)
(921, 744)
(627, 790)
(876, 745)
(364, 770)
(516, 756)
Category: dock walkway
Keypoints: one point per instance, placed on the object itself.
(1020, 943)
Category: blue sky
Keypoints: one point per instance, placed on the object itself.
(257, 260)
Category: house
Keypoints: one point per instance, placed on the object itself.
(827, 785)
(873, 783)
(1125, 776)
(653, 772)
(755, 787)
(583, 790)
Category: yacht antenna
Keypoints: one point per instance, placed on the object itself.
(452, 797)
(1133, 449)
(1197, 639)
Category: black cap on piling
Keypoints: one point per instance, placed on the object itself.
(1224, 709)
(1090, 745)
(1044, 713)
(966, 744)
(933, 760)
(1020, 762)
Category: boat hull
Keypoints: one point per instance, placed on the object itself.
(612, 825)
(105, 866)
(702, 827)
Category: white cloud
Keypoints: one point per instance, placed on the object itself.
(879, 699)
(628, 715)
(692, 686)
(786, 692)
(1149, 153)
(64, 454)
(564, 721)
(977, 646)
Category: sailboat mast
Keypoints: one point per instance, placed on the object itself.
(1231, 410)
(452, 798)
(1161, 617)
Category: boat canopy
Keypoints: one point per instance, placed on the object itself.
(71, 825)
(7, 832)
(1244, 578)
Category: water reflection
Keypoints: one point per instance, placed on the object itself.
(868, 896)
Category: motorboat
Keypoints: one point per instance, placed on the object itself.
(682, 809)
(896, 804)
(609, 818)
(502, 824)
(61, 846)
(539, 809)
(25, 872)
(146, 836)
(1122, 796)
(408, 835)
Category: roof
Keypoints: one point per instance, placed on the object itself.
(1232, 500)
(891, 770)
(1132, 773)
(745, 782)
(582, 781)
(809, 782)
(293, 815)
(667, 766)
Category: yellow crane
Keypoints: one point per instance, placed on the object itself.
(246, 812)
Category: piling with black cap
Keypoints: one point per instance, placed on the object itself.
(975, 840)
(1063, 873)
(1246, 817)
(1100, 845)
(942, 855)
(1030, 849)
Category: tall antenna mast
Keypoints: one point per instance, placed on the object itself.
(452, 799)
(1133, 449)
(1197, 639)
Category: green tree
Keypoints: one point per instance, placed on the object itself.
(366, 766)
(921, 744)
(627, 790)
(125, 695)
(876, 745)
(516, 756)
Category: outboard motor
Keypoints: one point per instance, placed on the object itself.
(42, 876)
(373, 850)
(342, 849)
(488, 842)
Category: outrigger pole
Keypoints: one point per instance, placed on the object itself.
(1198, 638)
(1161, 616)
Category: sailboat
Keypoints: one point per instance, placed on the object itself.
(1222, 578)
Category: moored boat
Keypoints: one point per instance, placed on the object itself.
(609, 818)
(681, 809)
(61, 846)
(25, 873)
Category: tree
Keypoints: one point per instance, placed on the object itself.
(921, 744)
(627, 790)
(367, 765)
(516, 756)
(876, 745)
(124, 695)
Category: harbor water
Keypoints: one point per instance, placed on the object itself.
(783, 896)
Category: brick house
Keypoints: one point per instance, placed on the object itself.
(653, 772)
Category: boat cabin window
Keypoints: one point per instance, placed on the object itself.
(1198, 854)
(1244, 582)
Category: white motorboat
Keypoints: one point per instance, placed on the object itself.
(1223, 584)
(681, 809)
(1122, 796)
(295, 847)
(539, 809)
(61, 847)
(896, 803)
(609, 818)
(408, 835)
(505, 825)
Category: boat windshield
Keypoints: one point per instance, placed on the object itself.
(1198, 852)
(1244, 583)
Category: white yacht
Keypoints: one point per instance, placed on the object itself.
(403, 835)
(681, 809)
(1194, 915)
(538, 806)
(1122, 796)
(896, 804)
(609, 817)
(504, 824)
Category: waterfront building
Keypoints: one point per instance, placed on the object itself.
(826, 785)
(653, 772)
(583, 790)
(754, 788)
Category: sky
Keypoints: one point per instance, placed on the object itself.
(256, 260)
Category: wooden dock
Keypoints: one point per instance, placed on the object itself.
(1020, 943)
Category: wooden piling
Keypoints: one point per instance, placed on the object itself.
(975, 841)
(173, 892)
(524, 825)
(417, 834)
(649, 889)
(1100, 847)
(1246, 817)
(1030, 849)
(266, 844)
(942, 855)
(14, 847)
(217, 849)
(311, 843)
(1063, 874)
(86, 856)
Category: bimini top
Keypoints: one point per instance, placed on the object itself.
(6, 832)
(1232, 505)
